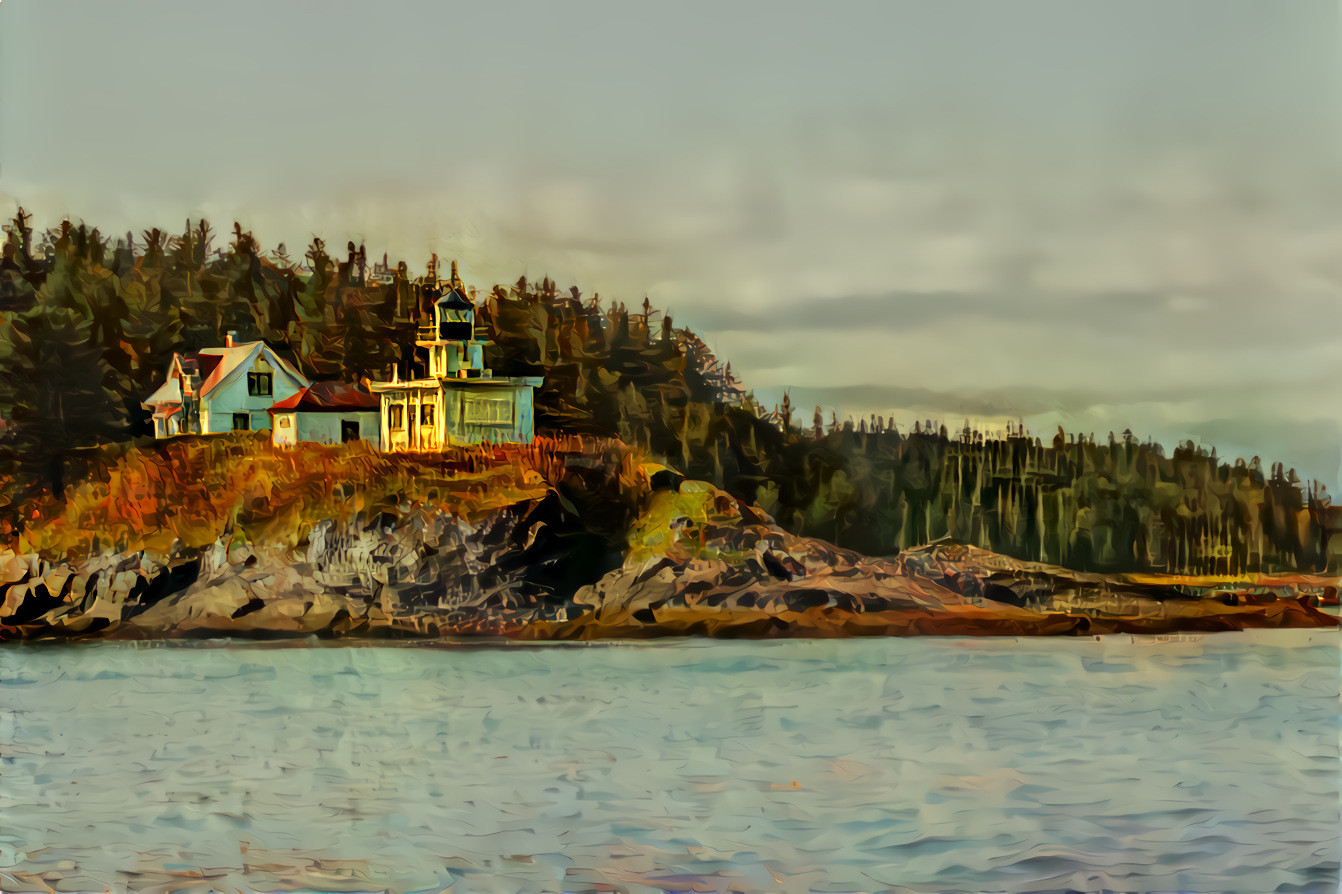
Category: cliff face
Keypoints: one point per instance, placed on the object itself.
(696, 561)
(419, 572)
(701, 562)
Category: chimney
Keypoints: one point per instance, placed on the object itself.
(230, 338)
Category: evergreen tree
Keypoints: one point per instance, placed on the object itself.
(54, 393)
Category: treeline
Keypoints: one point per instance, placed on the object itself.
(1110, 506)
(88, 325)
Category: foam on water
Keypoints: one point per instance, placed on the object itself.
(1208, 764)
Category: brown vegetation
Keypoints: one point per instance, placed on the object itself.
(89, 324)
(573, 539)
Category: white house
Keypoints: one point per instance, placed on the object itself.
(327, 413)
(222, 389)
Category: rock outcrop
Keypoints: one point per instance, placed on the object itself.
(696, 561)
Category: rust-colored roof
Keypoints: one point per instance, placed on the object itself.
(329, 397)
(205, 363)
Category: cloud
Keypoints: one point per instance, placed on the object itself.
(980, 293)
(932, 208)
(1262, 421)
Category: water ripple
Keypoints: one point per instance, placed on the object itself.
(902, 765)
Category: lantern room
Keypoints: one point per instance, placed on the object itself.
(454, 317)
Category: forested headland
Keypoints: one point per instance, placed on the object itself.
(89, 323)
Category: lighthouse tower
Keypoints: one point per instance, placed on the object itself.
(454, 351)
(459, 401)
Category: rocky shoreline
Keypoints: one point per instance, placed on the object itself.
(697, 562)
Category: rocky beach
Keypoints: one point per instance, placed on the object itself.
(694, 561)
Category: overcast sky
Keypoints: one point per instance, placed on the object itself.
(1108, 215)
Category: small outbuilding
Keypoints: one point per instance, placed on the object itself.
(327, 413)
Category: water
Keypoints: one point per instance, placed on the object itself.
(860, 765)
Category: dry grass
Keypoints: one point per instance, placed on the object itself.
(193, 491)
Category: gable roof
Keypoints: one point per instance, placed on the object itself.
(230, 360)
(215, 366)
(205, 363)
(329, 397)
(170, 392)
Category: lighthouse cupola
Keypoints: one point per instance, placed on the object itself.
(454, 312)
(454, 317)
(454, 351)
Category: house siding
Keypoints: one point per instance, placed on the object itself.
(449, 426)
(392, 439)
(519, 429)
(285, 431)
(231, 397)
(323, 427)
(412, 436)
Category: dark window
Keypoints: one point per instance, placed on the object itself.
(455, 330)
(349, 430)
(426, 414)
(260, 384)
(396, 418)
(242, 421)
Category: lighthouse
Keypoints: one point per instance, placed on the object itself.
(459, 401)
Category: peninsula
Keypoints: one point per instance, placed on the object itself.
(204, 440)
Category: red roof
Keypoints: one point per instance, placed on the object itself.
(206, 364)
(331, 397)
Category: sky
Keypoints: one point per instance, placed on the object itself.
(1101, 215)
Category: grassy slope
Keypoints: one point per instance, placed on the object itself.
(193, 491)
(697, 560)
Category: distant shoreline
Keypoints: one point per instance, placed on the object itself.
(1285, 636)
(576, 540)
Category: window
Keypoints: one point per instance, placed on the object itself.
(242, 421)
(396, 417)
(489, 410)
(260, 384)
(455, 325)
(426, 414)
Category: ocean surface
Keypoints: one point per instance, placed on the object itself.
(1206, 764)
